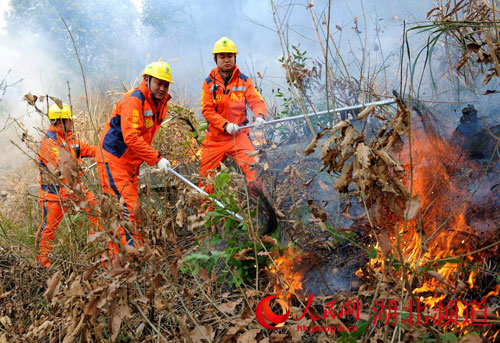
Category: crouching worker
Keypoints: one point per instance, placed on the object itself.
(126, 143)
(60, 156)
(225, 95)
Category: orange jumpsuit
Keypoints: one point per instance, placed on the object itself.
(126, 143)
(222, 104)
(53, 195)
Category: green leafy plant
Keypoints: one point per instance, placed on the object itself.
(233, 247)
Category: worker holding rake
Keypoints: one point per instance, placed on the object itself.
(126, 143)
(59, 159)
(225, 94)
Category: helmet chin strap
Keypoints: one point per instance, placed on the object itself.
(149, 81)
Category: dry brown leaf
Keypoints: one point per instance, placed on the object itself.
(115, 322)
(138, 331)
(159, 303)
(248, 336)
(202, 333)
(366, 112)
(203, 274)
(240, 255)
(229, 306)
(30, 98)
(389, 160)
(379, 116)
(144, 299)
(93, 307)
(5, 321)
(297, 334)
(76, 289)
(338, 126)
(473, 47)
(278, 338)
(438, 277)
(385, 243)
(310, 148)
(42, 330)
(412, 207)
(53, 285)
(251, 293)
(125, 311)
(348, 141)
(345, 178)
(3, 295)
(268, 239)
(491, 91)
(93, 236)
(72, 336)
(488, 78)
(57, 101)
(362, 155)
(240, 324)
(180, 218)
(470, 338)
(464, 59)
(89, 271)
(68, 166)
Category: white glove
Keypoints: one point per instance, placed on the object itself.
(163, 164)
(259, 121)
(232, 128)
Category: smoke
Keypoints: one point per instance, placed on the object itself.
(124, 36)
(29, 64)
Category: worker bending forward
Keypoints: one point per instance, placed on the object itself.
(126, 144)
(225, 95)
(55, 194)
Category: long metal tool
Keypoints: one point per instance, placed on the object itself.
(201, 191)
(342, 109)
(169, 119)
(90, 167)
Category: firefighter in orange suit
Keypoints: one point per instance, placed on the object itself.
(54, 194)
(225, 95)
(126, 143)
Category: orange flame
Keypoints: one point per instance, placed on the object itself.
(291, 269)
(440, 230)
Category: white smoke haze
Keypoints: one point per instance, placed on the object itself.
(129, 36)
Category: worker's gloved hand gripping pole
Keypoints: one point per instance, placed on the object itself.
(201, 191)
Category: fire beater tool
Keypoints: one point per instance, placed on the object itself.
(342, 109)
(189, 183)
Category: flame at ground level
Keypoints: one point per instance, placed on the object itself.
(437, 241)
(288, 272)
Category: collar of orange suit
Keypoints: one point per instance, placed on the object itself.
(215, 74)
(147, 93)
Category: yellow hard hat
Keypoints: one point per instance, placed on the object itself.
(224, 45)
(161, 70)
(55, 112)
